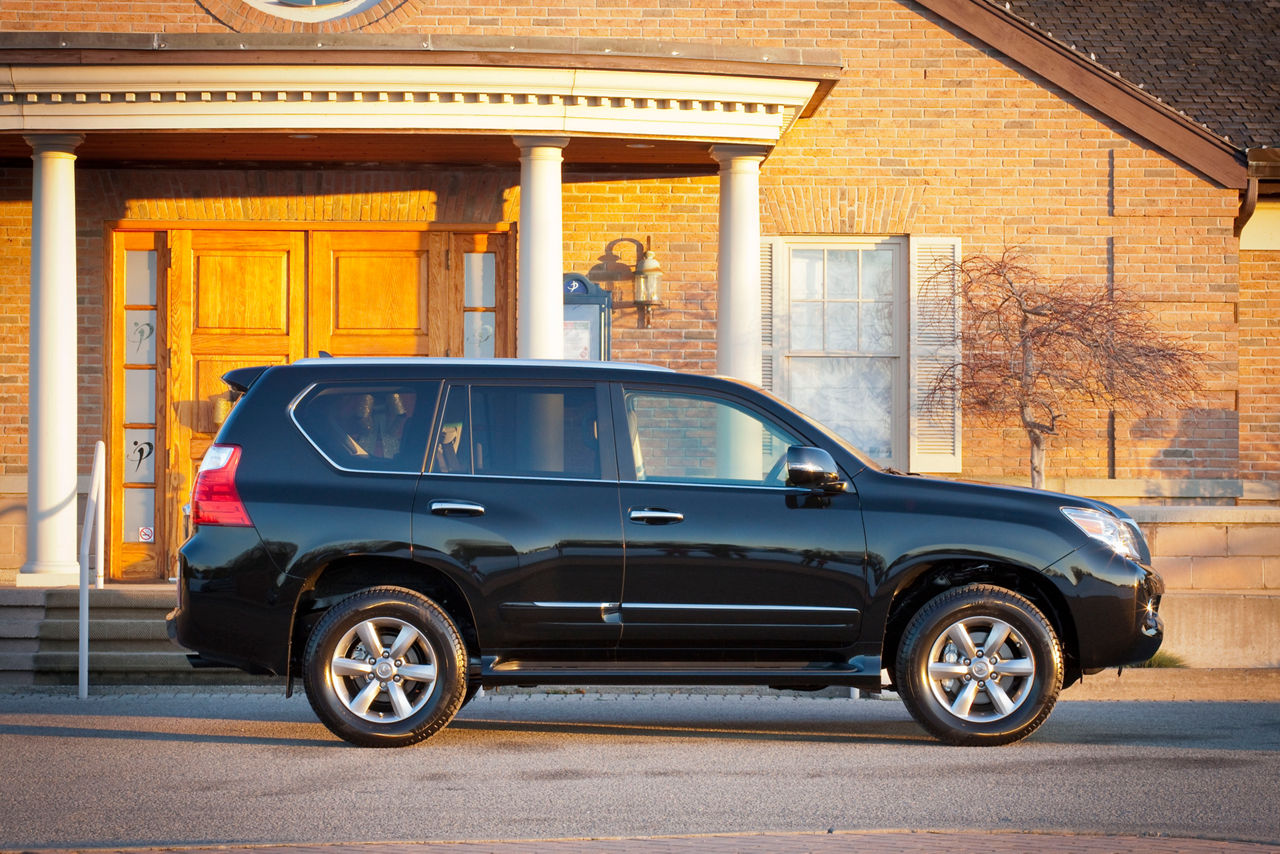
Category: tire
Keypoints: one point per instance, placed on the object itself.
(966, 694)
(473, 689)
(397, 695)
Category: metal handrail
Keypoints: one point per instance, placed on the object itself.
(93, 522)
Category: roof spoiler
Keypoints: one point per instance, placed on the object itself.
(241, 378)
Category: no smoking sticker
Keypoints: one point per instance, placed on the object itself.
(146, 535)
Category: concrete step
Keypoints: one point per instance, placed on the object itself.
(128, 642)
(106, 631)
(17, 660)
(18, 645)
(111, 604)
(136, 668)
(65, 601)
(121, 661)
(18, 627)
(16, 597)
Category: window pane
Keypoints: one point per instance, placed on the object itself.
(806, 326)
(677, 437)
(842, 326)
(138, 515)
(140, 277)
(535, 432)
(852, 396)
(806, 274)
(140, 455)
(140, 396)
(877, 327)
(479, 280)
(369, 427)
(877, 274)
(842, 274)
(140, 337)
(477, 334)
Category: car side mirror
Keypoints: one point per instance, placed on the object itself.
(813, 468)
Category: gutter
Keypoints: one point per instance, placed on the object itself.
(1264, 165)
(1248, 204)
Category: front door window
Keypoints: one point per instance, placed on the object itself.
(684, 438)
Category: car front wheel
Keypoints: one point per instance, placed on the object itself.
(979, 665)
(385, 667)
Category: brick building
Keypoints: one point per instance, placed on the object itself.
(214, 183)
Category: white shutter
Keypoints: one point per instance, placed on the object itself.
(935, 331)
(766, 315)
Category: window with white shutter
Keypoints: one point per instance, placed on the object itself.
(855, 331)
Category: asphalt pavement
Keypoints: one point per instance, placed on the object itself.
(195, 770)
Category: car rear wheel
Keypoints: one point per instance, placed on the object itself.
(385, 667)
(979, 665)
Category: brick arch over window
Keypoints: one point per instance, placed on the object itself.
(240, 17)
(808, 209)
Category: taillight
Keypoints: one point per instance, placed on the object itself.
(214, 499)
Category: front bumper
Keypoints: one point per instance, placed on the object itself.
(1115, 605)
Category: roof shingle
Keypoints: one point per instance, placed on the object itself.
(1218, 61)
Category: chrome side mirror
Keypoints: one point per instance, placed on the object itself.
(813, 468)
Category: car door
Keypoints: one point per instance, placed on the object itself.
(720, 553)
(520, 502)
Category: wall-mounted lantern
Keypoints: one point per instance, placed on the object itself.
(648, 286)
(645, 275)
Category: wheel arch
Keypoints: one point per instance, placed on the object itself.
(929, 578)
(344, 576)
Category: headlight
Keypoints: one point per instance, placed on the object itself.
(1107, 529)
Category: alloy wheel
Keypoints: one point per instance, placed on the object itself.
(383, 670)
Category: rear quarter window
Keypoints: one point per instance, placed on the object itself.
(369, 426)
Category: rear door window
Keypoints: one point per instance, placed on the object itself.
(519, 431)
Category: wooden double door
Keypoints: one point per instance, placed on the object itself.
(235, 298)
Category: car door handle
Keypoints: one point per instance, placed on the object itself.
(452, 507)
(654, 516)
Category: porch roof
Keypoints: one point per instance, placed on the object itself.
(393, 100)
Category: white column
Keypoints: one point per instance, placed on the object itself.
(539, 281)
(52, 443)
(738, 346)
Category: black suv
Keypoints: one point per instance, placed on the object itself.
(400, 533)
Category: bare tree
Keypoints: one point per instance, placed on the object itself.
(1037, 348)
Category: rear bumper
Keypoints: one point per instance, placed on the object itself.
(232, 610)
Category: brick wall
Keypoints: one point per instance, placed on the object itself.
(15, 301)
(1259, 364)
(928, 133)
(679, 217)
